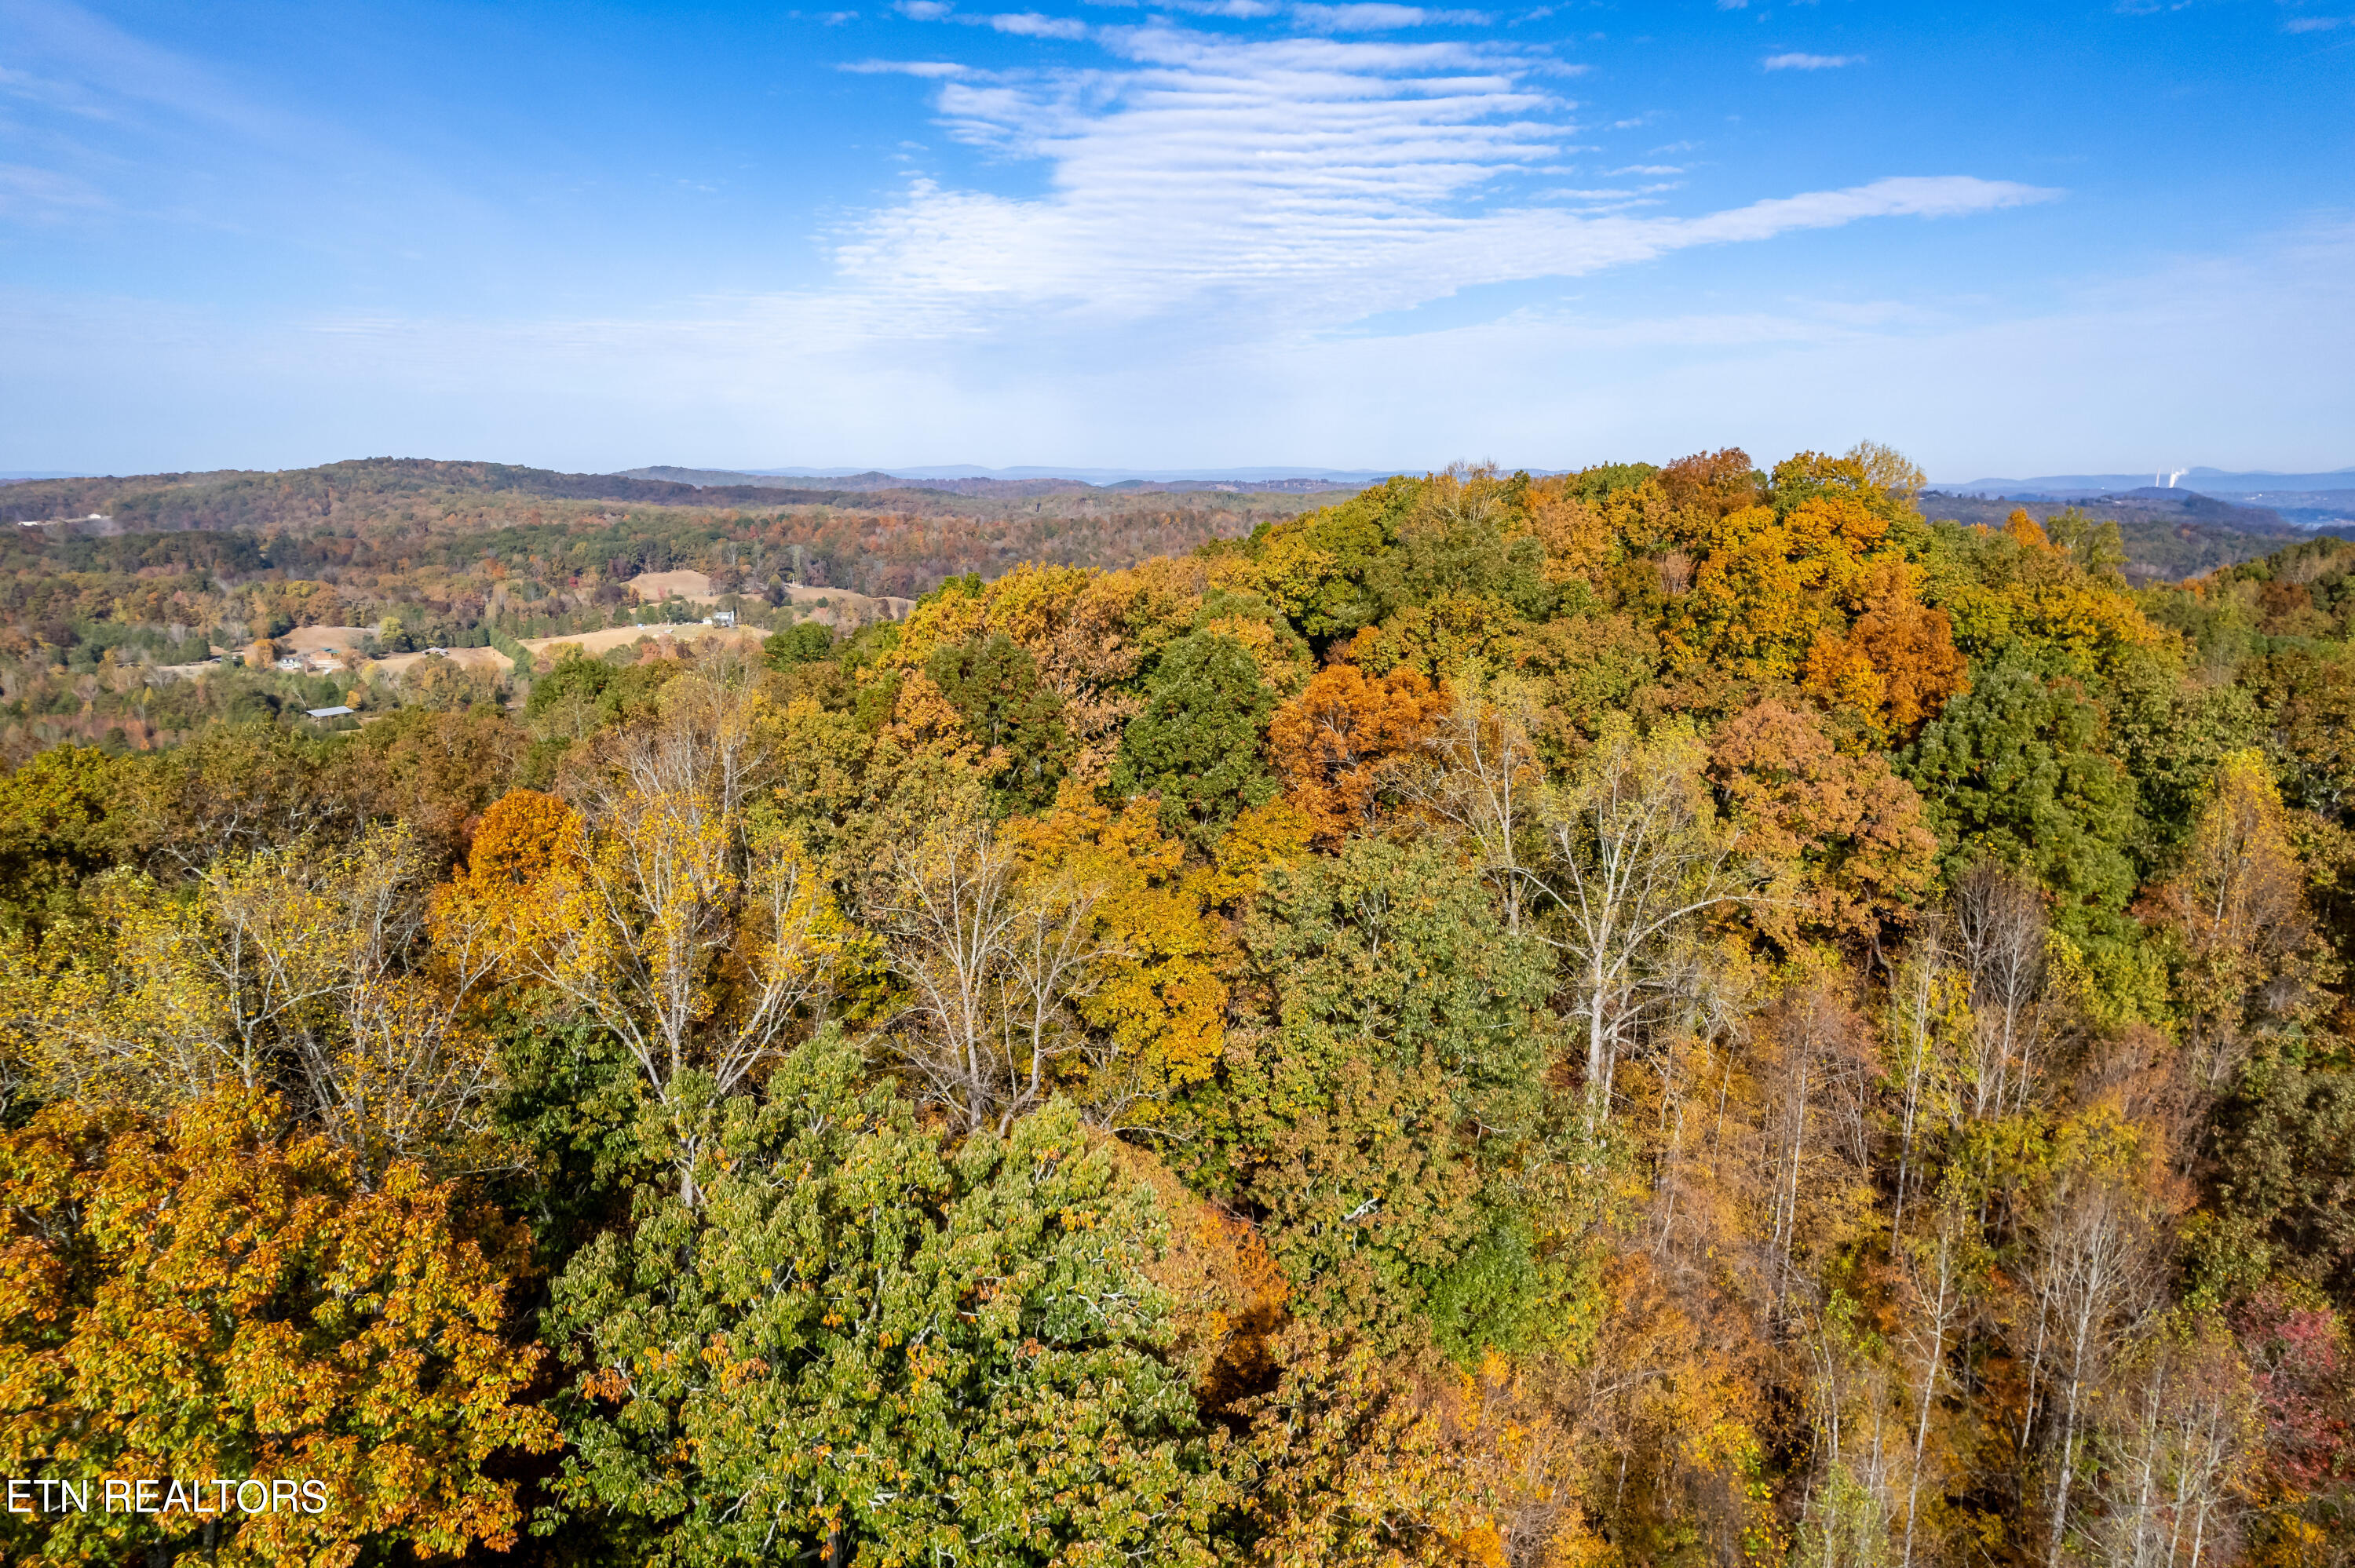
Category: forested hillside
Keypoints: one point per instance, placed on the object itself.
(101, 622)
(2165, 535)
(1667, 1016)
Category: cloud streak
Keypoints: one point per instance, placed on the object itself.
(932, 69)
(1031, 25)
(1297, 184)
(1377, 18)
(1809, 62)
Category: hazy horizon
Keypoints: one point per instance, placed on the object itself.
(2184, 477)
(1187, 235)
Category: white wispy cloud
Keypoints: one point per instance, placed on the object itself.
(2089, 377)
(119, 125)
(1300, 184)
(1810, 62)
(905, 68)
(1214, 216)
(32, 192)
(1381, 18)
(1031, 25)
(1233, 10)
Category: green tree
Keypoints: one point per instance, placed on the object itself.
(2283, 1163)
(1454, 541)
(995, 686)
(57, 826)
(2016, 770)
(1197, 743)
(1392, 1073)
(862, 1344)
(802, 643)
(572, 699)
(236, 788)
(2171, 729)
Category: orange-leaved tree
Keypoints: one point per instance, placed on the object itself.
(1337, 744)
(1814, 585)
(189, 1299)
(1157, 1003)
(1843, 835)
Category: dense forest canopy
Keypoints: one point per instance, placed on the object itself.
(1662, 1015)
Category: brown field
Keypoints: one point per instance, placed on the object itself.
(838, 607)
(312, 639)
(845, 611)
(653, 586)
(589, 642)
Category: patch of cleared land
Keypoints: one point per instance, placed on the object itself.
(589, 642)
(838, 607)
(655, 587)
(844, 611)
(317, 639)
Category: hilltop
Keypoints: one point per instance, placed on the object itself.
(368, 487)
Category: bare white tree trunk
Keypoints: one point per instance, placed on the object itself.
(1938, 1279)
(1486, 782)
(2091, 1276)
(1916, 1002)
(2001, 923)
(994, 962)
(1634, 852)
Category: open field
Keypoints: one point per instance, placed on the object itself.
(591, 643)
(683, 583)
(838, 607)
(316, 639)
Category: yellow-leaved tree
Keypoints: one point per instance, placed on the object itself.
(654, 910)
(2253, 961)
(304, 970)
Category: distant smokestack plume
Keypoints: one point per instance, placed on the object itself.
(2179, 474)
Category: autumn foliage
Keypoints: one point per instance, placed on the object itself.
(1652, 1016)
(193, 1298)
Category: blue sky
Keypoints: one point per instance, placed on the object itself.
(2009, 239)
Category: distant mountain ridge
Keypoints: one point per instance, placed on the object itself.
(2168, 534)
(235, 498)
(1013, 482)
(2207, 480)
(1105, 478)
(231, 498)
